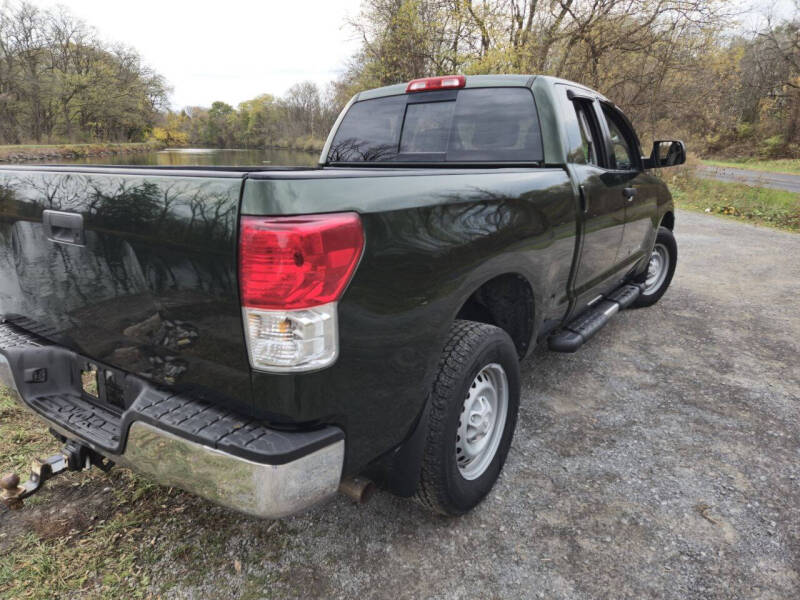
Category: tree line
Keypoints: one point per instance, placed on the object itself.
(60, 82)
(300, 119)
(678, 68)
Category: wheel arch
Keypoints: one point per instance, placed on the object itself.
(506, 301)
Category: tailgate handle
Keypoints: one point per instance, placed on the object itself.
(63, 227)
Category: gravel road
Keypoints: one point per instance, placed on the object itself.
(779, 181)
(660, 461)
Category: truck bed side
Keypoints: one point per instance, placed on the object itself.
(432, 238)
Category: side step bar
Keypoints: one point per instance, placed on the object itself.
(589, 322)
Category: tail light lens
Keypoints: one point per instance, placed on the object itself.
(292, 272)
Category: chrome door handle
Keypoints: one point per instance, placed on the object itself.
(629, 193)
(584, 199)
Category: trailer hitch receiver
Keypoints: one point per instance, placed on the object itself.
(73, 457)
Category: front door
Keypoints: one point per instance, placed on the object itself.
(634, 185)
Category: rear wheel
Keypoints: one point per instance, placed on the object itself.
(660, 268)
(473, 414)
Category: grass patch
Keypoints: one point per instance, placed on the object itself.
(98, 545)
(782, 165)
(765, 206)
(118, 535)
(21, 436)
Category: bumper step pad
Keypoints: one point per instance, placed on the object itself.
(590, 321)
(81, 417)
(220, 428)
(12, 336)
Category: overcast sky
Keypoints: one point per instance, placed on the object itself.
(229, 50)
(233, 50)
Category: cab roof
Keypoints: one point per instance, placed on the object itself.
(476, 81)
(473, 81)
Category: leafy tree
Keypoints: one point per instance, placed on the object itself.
(59, 82)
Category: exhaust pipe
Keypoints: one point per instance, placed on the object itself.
(358, 489)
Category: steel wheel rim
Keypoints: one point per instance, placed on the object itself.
(482, 421)
(657, 269)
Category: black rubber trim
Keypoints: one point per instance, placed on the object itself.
(80, 417)
(225, 430)
(232, 172)
(59, 400)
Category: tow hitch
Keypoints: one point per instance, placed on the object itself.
(73, 457)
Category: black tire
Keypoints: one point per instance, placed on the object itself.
(665, 239)
(470, 348)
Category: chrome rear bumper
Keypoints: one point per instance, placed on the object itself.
(257, 489)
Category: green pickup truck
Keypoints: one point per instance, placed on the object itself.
(264, 337)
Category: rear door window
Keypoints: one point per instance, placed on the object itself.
(472, 125)
(589, 132)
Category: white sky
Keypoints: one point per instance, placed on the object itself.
(232, 50)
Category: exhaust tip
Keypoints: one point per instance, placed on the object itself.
(358, 489)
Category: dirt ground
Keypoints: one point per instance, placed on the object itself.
(660, 461)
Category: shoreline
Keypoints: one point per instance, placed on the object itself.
(26, 153)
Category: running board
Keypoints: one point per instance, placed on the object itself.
(590, 321)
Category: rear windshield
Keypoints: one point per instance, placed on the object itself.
(472, 125)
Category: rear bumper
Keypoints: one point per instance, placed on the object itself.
(258, 489)
(177, 440)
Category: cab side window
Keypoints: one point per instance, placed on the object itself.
(622, 142)
(589, 132)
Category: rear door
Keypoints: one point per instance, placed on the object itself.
(133, 269)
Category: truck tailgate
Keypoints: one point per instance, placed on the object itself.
(146, 283)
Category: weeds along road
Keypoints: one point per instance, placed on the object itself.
(778, 181)
(662, 460)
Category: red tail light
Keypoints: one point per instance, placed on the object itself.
(297, 262)
(436, 83)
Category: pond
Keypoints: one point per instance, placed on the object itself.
(200, 157)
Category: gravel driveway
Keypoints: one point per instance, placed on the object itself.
(662, 460)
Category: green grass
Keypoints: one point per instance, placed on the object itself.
(782, 165)
(117, 535)
(764, 206)
(105, 556)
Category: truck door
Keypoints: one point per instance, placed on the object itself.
(640, 195)
(602, 204)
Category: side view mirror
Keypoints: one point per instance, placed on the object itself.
(666, 153)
